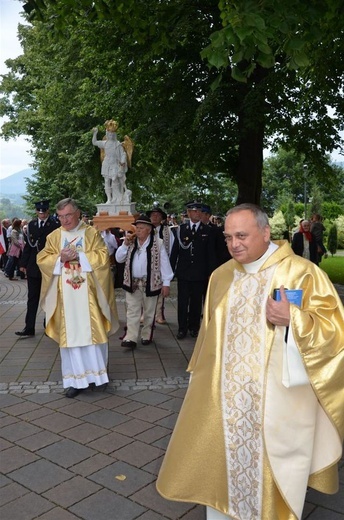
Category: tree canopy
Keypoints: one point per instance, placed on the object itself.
(286, 177)
(200, 87)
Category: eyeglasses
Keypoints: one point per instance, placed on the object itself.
(67, 216)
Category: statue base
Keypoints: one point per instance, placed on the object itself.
(114, 215)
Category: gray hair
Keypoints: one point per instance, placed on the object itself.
(260, 215)
(66, 202)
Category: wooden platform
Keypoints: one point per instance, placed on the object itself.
(105, 221)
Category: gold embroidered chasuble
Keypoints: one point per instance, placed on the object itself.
(80, 305)
(244, 444)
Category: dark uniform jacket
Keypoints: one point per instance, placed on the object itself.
(34, 242)
(193, 257)
(221, 249)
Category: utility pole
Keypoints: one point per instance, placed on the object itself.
(305, 188)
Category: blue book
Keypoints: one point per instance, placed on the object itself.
(294, 296)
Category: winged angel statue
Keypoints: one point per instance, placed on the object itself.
(116, 159)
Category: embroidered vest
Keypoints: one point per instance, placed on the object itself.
(164, 234)
(154, 281)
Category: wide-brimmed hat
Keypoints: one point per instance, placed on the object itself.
(42, 206)
(194, 205)
(157, 210)
(143, 219)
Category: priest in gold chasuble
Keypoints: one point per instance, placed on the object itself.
(263, 416)
(78, 298)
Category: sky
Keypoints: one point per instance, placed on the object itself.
(14, 154)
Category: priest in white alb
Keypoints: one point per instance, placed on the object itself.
(263, 415)
(78, 298)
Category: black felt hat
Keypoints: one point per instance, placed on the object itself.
(143, 219)
(42, 206)
(157, 210)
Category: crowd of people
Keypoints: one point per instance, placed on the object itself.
(12, 233)
(142, 263)
(193, 243)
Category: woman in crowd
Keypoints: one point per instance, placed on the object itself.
(15, 249)
(304, 243)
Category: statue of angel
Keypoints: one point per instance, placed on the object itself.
(115, 157)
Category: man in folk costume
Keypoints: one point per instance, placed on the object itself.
(147, 273)
(78, 298)
(158, 218)
(263, 415)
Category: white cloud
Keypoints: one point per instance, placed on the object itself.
(14, 156)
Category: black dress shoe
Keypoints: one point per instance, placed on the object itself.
(181, 334)
(25, 333)
(146, 341)
(73, 392)
(194, 333)
(128, 343)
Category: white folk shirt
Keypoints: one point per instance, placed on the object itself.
(139, 266)
(110, 242)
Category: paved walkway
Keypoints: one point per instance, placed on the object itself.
(96, 456)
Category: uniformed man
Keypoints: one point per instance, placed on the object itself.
(193, 259)
(221, 249)
(37, 231)
(206, 214)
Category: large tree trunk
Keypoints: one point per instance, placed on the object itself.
(249, 173)
(251, 126)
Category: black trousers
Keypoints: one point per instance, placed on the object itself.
(190, 299)
(34, 291)
(3, 261)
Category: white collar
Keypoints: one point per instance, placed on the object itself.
(195, 224)
(75, 229)
(145, 243)
(253, 267)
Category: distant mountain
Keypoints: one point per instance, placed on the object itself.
(15, 185)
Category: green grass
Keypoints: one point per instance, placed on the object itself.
(334, 267)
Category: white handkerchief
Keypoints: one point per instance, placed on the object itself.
(294, 372)
(85, 264)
